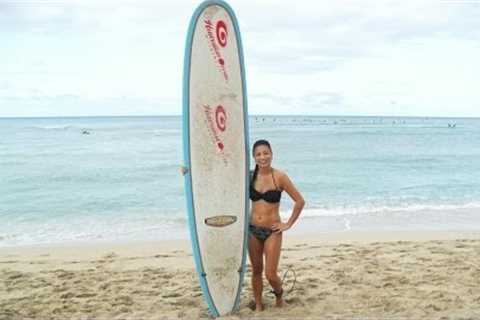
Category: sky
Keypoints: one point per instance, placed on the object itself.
(363, 57)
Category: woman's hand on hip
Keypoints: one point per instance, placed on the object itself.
(279, 227)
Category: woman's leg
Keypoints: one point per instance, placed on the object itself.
(272, 249)
(255, 252)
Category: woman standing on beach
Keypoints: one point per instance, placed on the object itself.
(266, 227)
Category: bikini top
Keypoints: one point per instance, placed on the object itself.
(272, 196)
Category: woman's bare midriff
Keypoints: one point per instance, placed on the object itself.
(264, 214)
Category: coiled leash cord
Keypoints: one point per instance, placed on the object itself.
(289, 269)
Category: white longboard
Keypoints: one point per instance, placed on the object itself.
(215, 142)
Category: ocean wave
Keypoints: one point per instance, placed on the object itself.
(84, 228)
(365, 210)
(54, 127)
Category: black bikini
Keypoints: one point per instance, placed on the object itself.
(271, 196)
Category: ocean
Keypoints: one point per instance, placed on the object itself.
(117, 178)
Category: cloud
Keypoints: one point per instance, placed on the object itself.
(347, 30)
(38, 105)
(308, 57)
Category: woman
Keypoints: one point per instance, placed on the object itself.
(266, 228)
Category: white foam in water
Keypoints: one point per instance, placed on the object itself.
(140, 226)
(54, 127)
(362, 210)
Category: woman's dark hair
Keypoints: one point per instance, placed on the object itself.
(255, 145)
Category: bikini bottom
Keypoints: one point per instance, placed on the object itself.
(261, 233)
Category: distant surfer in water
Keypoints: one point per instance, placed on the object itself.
(266, 227)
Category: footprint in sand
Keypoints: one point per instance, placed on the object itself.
(122, 300)
(434, 307)
(148, 293)
(13, 275)
(294, 300)
(386, 285)
(365, 252)
(125, 310)
(166, 276)
(312, 280)
(423, 259)
(171, 295)
(64, 274)
(300, 245)
(307, 258)
(67, 295)
(108, 257)
(86, 295)
(60, 288)
(133, 258)
(39, 283)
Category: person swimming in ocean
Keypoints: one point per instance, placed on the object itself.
(266, 228)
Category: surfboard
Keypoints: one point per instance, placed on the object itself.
(215, 145)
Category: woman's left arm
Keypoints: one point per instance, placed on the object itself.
(292, 191)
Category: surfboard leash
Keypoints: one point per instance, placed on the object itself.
(289, 269)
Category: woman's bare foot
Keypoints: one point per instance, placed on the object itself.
(279, 299)
(280, 303)
(256, 307)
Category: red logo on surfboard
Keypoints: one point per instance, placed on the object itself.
(216, 121)
(217, 37)
(221, 33)
(221, 118)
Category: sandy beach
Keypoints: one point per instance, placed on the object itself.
(374, 275)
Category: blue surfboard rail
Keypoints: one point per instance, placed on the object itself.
(187, 159)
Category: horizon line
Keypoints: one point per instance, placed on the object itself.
(250, 115)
